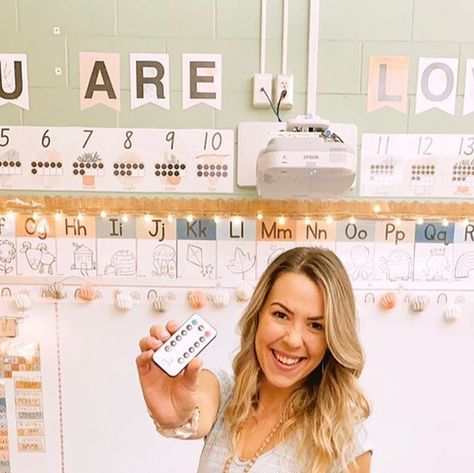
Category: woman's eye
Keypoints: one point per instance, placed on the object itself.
(317, 326)
(279, 315)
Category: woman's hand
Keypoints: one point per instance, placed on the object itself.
(171, 401)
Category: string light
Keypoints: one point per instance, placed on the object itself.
(124, 218)
(147, 218)
(189, 218)
(398, 221)
(329, 219)
(11, 214)
(465, 222)
(42, 226)
(352, 220)
(259, 216)
(103, 213)
(377, 208)
(445, 222)
(35, 215)
(281, 220)
(216, 218)
(80, 217)
(307, 220)
(170, 218)
(419, 221)
(57, 216)
(237, 220)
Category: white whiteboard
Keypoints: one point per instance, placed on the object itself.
(416, 377)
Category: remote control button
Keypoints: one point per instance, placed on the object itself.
(202, 339)
(183, 332)
(167, 348)
(197, 344)
(179, 338)
(207, 333)
(180, 360)
(189, 327)
(186, 355)
(191, 349)
(173, 343)
(201, 328)
(194, 322)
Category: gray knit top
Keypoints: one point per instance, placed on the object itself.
(280, 459)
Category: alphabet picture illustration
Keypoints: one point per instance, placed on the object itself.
(164, 261)
(195, 257)
(39, 258)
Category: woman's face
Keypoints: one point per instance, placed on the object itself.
(290, 341)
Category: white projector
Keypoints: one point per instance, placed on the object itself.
(305, 165)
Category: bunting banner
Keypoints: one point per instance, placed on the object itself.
(469, 88)
(388, 83)
(149, 80)
(14, 80)
(99, 79)
(437, 81)
(202, 80)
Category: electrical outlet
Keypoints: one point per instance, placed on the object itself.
(262, 82)
(284, 82)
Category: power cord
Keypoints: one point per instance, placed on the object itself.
(277, 110)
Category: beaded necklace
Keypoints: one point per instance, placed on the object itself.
(257, 453)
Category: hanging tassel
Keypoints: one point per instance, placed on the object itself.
(123, 301)
(418, 303)
(23, 301)
(388, 301)
(56, 291)
(197, 299)
(243, 292)
(220, 298)
(86, 292)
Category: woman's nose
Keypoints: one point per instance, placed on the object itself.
(294, 337)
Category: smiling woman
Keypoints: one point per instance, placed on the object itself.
(294, 405)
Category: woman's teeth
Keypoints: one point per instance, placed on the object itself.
(285, 360)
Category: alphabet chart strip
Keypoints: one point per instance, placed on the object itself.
(438, 165)
(119, 160)
(232, 249)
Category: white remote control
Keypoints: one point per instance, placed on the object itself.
(184, 345)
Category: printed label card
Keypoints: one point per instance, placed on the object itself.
(36, 246)
(156, 248)
(76, 247)
(4, 443)
(196, 248)
(434, 252)
(29, 414)
(116, 246)
(8, 249)
(464, 252)
(356, 247)
(236, 249)
(13, 157)
(273, 238)
(394, 251)
(318, 233)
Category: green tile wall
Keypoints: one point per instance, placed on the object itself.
(350, 32)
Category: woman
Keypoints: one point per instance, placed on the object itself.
(295, 405)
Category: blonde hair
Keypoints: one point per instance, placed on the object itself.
(329, 405)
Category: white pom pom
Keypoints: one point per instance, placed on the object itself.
(452, 313)
(123, 301)
(243, 292)
(220, 298)
(418, 303)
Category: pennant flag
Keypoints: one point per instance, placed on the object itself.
(149, 80)
(388, 83)
(14, 80)
(469, 88)
(100, 79)
(202, 80)
(437, 80)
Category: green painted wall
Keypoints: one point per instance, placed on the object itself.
(350, 31)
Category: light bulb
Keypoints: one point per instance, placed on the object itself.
(80, 217)
(398, 221)
(281, 220)
(216, 218)
(352, 220)
(329, 219)
(124, 218)
(376, 208)
(419, 221)
(189, 218)
(170, 218)
(57, 216)
(259, 216)
(103, 214)
(307, 221)
(147, 218)
(445, 222)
